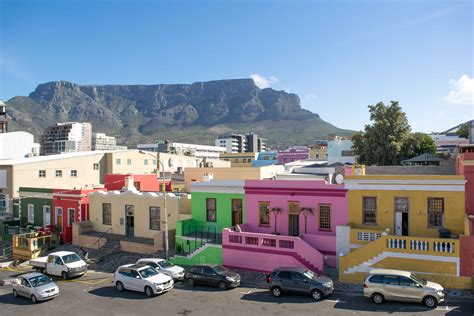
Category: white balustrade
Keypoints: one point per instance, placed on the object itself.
(421, 245)
(368, 236)
(396, 243)
(443, 246)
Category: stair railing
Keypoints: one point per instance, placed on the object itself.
(102, 236)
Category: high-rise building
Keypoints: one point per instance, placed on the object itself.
(66, 137)
(5, 121)
(238, 143)
(193, 150)
(100, 141)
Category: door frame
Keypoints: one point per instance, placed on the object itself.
(127, 233)
(297, 224)
(44, 215)
(232, 211)
(395, 215)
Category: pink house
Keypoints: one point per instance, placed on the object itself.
(288, 223)
(292, 154)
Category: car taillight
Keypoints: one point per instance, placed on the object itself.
(269, 279)
(365, 285)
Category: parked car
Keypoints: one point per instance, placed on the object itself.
(65, 264)
(142, 278)
(300, 281)
(164, 266)
(35, 286)
(213, 275)
(395, 285)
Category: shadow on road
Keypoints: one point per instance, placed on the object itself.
(111, 292)
(267, 297)
(362, 304)
(198, 288)
(19, 301)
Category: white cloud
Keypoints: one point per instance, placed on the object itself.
(462, 91)
(263, 82)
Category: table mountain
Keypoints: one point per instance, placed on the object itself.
(181, 112)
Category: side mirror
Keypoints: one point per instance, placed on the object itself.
(305, 280)
(137, 277)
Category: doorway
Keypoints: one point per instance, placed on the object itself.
(236, 212)
(46, 215)
(401, 216)
(294, 225)
(129, 220)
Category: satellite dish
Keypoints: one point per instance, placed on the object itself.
(339, 178)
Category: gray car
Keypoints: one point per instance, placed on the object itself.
(35, 286)
(299, 281)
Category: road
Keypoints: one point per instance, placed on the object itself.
(94, 294)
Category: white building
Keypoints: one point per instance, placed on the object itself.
(100, 141)
(192, 150)
(66, 137)
(15, 145)
(340, 150)
(238, 143)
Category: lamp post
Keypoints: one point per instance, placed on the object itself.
(163, 188)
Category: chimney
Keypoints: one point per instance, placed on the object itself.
(129, 185)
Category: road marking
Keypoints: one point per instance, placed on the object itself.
(248, 292)
(88, 282)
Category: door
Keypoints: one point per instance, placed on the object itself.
(294, 225)
(55, 265)
(398, 223)
(129, 220)
(209, 276)
(59, 217)
(236, 212)
(299, 282)
(136, 281)
(391, 287)
(287, 283)
(412, 291)
(25, 288)
(46, 215)
(401, 216)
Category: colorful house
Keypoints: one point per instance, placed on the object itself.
(404, 222)
(215, 205)
(35, 206)
(266, 158)
(143, 182)
(293, 154)
(239, 159)
(287, 223)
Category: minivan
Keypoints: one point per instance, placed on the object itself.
(396, 285)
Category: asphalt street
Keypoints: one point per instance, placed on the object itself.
(94, 294)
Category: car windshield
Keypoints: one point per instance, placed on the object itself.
(71, 258)
(418, 279)
(147, 272)
(165, 264)
(39, 280)
(219, 269)
(310, 275)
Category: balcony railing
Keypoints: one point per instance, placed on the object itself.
(435, 245)
(364, 236)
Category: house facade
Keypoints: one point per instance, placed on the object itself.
(404, 222)
(266, 158)
(287, 223)
(293, 154)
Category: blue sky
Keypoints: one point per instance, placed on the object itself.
(338, 56)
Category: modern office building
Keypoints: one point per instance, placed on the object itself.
(66, 137)
(192, 150)
(238, 143)
(100, 141)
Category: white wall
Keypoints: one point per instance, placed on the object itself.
(16, 145)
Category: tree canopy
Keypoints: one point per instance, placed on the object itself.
(463, 131)
(388, 139)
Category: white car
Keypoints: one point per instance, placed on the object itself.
(142, 278)
(164, 266)
(35, 286)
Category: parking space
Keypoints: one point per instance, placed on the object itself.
(95, 294)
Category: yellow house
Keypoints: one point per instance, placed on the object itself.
(239, 159)
(404, 222)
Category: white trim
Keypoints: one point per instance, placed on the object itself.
(40, 195)
(219, 186)
(356, 246)
(405, 184)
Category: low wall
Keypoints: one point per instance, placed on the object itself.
(325, 244)
(129, 246)
(83, 240)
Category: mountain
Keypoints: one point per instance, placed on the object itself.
(195, 112)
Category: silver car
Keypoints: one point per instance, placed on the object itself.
(35, 286)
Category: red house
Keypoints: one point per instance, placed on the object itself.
(143, 182)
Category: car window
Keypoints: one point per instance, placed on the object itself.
(296, 276)
(134, 274)
(24, 282)
(208, 271)
(165, 264)
(40, 280)
(391, 280)
(147, 272)
(51, 259)
(198, 270)
(285, 275)
(407, 282)
(149, 263)
(376, 279)
(71, 258)
(125, 272)
(58, 261)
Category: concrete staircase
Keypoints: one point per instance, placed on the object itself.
(307, 264)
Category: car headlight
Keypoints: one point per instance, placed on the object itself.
(328, 284)
(230, 279)
(440, 292)
(158, 285)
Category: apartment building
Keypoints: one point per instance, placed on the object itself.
(238, 143)
(5, 121)
(66, 137)
(100, 141)
(192, 150)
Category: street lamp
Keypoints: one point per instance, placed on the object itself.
(163, 188)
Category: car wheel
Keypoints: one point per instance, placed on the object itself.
(15, 293)
(119, 286)
(430, 302)
(378, 298)
(65, 275)
(276, 291)
(222, 286)
(191, 282)
(34, 299)
(149, 291)
(317, 295)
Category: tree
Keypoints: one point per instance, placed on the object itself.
(418, 144)
(306, 212)
(463, 131)
(275, 211)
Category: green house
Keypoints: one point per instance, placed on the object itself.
(215, 205)
(35, 206)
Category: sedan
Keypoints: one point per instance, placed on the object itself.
(212, 275)
(164, 266)
(35, 286)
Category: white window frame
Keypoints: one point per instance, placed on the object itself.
(59, 173)
(74, 173)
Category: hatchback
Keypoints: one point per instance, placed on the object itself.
(35, 286)
(299, 281)
(395, 285)
(142, 278)
(213, 275)
(164, 266)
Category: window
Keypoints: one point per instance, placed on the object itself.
(154, 218)
(211, 215)
(70, 218)
(129, 161)
(376, 279)
(369, 210)
(401, 205)
(285, 275)
(293, 207)
(407, 281)
(118, 161)
(145, 162)
(31, 213)
(435, 212)
(42, 173)
(95, 166)
(325, 217)
(154, 162)
(264, 213)
(59, 173)
(106, 214)
(73, 173)
(391, 279)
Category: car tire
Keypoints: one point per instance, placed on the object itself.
(276, 291)
(377, 298)
(222, 286)
(430, 302)
(64, 275)
(191, 282)
(317, 295)
(15, 293)
(119, 286)
(34, 300)
(149, 291)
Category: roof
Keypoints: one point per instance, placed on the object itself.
(391, 272)
(62, 253)
(135, 266)
(423, 158)
(31, 275)
(151, 259)
(37, 159)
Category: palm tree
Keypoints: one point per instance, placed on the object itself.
(306, 211)
(275, 211)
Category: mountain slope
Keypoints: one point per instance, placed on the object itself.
(181, 112)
